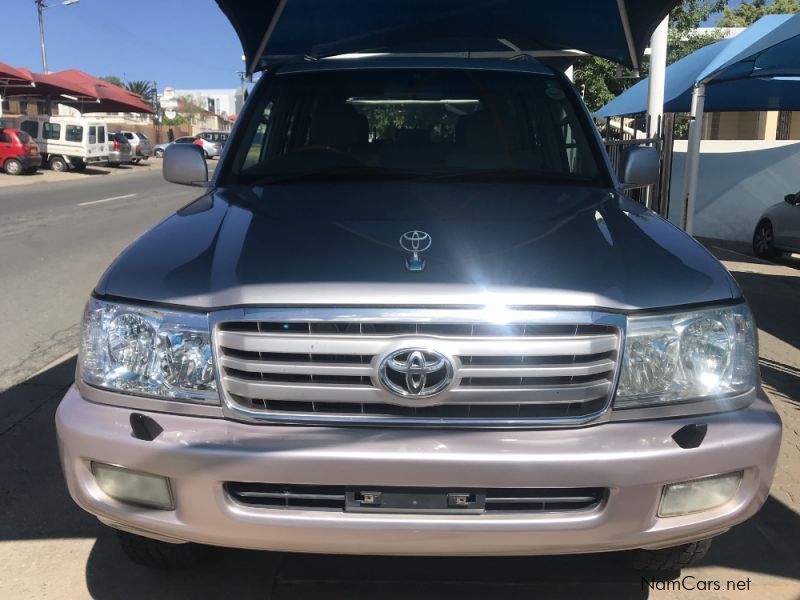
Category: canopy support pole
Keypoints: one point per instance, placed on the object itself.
(655, 99)
(626, 27)
(265, 40)
(692, 169)
(657, 79)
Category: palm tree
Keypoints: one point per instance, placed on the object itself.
(143, 88)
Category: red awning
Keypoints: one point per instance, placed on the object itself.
(111, 98)
(54, 87)
(11, 76)
(80, 90)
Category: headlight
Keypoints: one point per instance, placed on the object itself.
(689, 356)
(148, 351)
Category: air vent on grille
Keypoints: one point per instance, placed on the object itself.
(395, 499)
(328, 371)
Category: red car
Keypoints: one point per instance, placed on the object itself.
(18, 152)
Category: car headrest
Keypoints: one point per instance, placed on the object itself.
(338, 125)
(479, 129)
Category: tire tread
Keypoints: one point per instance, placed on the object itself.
(670, 559)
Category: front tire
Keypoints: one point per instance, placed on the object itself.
(159, 153)
(58, 164)
(135, 161)
(669, 560)
(13, 167)
(155, 554)
(764, 240)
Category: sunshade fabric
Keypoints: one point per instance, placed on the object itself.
(110, 97)
(85, 92)
(51, 85)
(325, 28)
(10, 75)
(752, 72)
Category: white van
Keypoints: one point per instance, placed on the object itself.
(67, 142)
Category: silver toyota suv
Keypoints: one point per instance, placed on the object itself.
(414, 314)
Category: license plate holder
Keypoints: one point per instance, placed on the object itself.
(415, 500)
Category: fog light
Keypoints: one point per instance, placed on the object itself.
(133, 487)
(699, 494)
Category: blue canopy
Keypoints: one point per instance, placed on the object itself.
(278, 30)
(754, 71)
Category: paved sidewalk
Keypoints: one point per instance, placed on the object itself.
(45, 175)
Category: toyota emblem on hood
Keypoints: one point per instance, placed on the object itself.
(415, 242)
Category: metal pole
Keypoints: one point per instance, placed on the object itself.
(40, 8)
(656, 81)
(692, 168)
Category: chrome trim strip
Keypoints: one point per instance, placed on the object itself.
(378, 345)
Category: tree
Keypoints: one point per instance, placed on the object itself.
(597, 78)
(144, 88)
(113, 79)
(748, 13)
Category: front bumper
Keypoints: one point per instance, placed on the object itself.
(633, 459)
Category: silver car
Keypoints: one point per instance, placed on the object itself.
(119, 150)
(210, 149)
(140, 144)
(778, 229)
(413, 312)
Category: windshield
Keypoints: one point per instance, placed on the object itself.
(424, 123)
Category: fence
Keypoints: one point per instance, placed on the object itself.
(622, 133)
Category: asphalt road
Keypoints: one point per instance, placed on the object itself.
(56, 239)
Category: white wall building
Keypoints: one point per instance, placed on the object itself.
(225, 102)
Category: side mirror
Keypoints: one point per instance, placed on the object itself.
(640, 167)
(184, 164)
(792, 199)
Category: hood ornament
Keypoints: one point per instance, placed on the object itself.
(415, 242)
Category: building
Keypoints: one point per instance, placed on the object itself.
(223, 102)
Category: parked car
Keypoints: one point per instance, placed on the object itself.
(448, 332)
(140, 145)
(18, 152)
(67, 142)
(215, 137)
(778, 229)
(119, 150)
(210, 149)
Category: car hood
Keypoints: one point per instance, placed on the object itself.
(338, 244)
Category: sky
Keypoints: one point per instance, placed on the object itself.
(179, 43)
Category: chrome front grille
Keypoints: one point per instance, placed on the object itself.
(322, 366)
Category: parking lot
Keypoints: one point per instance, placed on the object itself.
(57, 234)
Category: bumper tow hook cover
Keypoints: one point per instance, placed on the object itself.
(690, 436)
(144, 427)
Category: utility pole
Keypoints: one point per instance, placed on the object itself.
(40, 8)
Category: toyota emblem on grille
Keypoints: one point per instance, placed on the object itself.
(416, 373)
(415, 242)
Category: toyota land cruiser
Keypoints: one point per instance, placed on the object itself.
(414, 313)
